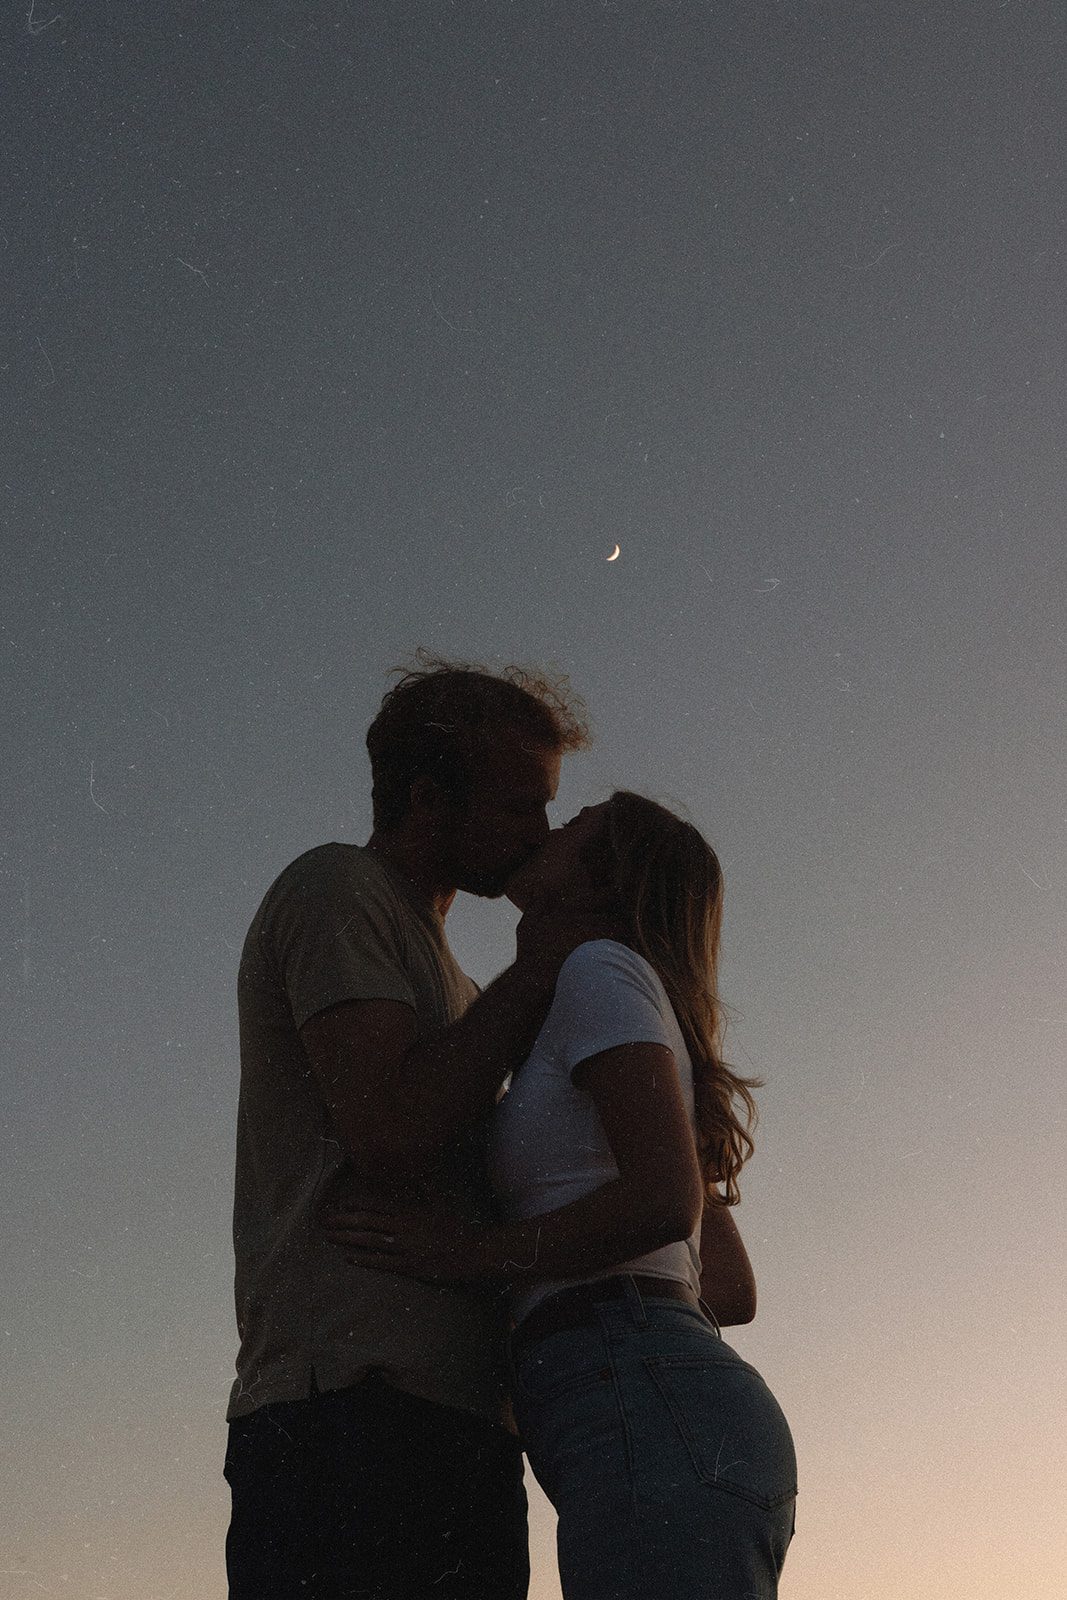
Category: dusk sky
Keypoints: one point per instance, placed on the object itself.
(333, 331)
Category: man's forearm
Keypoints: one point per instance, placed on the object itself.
(428, 1092)
(604, 1228)
(454, 1077)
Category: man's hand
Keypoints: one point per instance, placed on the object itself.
(546, 936)
(430, 1245)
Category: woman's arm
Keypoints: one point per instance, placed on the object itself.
(655, 1200)
(727, 1281)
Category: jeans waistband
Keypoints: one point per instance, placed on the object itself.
(575, 1306)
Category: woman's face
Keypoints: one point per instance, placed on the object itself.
(559, 872)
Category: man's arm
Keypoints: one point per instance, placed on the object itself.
(655, 1200)
(397, 1101)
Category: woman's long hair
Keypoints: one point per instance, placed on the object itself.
(668, 884)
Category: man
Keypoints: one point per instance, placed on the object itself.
(369, 1453)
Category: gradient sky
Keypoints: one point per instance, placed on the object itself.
(335, 330)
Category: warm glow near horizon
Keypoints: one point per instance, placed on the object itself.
(336, 333)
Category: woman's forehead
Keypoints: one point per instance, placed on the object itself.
(591, 813)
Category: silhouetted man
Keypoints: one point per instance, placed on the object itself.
(370, 1453)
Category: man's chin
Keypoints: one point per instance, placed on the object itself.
(517, 887)
(513, 887)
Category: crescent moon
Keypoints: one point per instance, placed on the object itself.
(614, 556)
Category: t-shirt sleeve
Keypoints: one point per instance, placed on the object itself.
(334, 937)
(606, 995)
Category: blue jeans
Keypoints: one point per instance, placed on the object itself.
(666, 1456)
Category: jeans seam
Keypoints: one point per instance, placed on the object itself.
(620, 1407)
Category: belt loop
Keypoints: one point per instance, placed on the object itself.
(632, 1297)
(712, 1318)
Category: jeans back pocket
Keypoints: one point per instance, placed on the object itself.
(732, 1426)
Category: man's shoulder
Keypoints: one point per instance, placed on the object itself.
(328, 861)
(329, 873)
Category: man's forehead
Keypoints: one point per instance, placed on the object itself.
(519, 766)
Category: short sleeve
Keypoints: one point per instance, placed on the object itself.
(333, 936)
(606, 996)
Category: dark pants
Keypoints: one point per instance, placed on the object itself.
(368, 1493)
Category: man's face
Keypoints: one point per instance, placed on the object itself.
(561, 871)
(506, 819)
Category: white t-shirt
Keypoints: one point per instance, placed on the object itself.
(547, 1144)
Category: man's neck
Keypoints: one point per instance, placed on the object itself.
(409, 858)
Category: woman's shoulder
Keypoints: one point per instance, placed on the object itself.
(596, 952)
(607, 994)
(607, 957)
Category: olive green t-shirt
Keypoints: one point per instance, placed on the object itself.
(341, 924)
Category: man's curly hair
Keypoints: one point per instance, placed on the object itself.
(440, 716)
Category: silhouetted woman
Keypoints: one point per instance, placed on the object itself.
(615, 1154)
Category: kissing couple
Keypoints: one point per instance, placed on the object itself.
(472, 1224)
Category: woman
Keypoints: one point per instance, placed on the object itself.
(666, 1457)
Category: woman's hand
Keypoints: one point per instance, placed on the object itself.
(434, 1246)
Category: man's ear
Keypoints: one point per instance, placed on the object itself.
(424, 796)
(429, 803)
